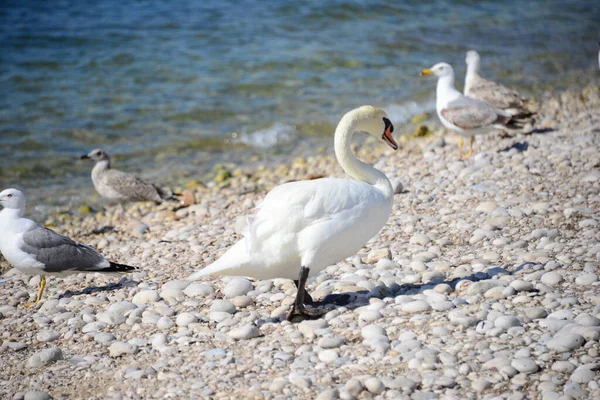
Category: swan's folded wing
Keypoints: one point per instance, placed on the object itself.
(467, 113)
(292, 207)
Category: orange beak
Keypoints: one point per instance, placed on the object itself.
(388, 138)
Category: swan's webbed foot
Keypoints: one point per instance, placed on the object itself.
(304, 305)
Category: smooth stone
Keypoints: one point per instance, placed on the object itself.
(487, 206)
(308, 327)
(222, 306)
(242, 301)
(184, 319)
(481, 384)
(583, 375)
(372, 332)
(237, 287)
(506, 321)
(117, 349)
(104, 337)
(121, 308)
(420, 238)
(370, 315)
(521, 285)
(48, 336)
(551, 278)
(416, 306)
(146, 297)
(172, 295)
(524, 365)
(374, 385)
(565, 367)
(328, 394)
(45, 357)
(37, 395)
(328, 356)
(330, 342)
(176, 284)
(299, 380)
(245, 332)
(353, 386)
(587, 320)
(586, 279)
(164, 323)
(197, 289)
(565, 342)
(378, 254)
(535, 312)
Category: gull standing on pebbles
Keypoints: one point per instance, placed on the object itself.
(36, 250)
(121, 186)
(495, 94)
(303, 227)
(465, 116)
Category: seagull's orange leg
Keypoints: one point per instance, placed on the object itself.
(40, 293)
(470, 153)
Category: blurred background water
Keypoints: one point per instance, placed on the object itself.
(172, 87)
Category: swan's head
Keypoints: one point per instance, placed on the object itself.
(440, 70)
(375, 121)
(12, 198)
(96, 155)
(472, 59)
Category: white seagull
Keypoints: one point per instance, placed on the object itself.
(303, 227)
(464, 115)
(36, 250)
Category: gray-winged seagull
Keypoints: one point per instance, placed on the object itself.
(121, 186)
(465, 116)
(36, 250)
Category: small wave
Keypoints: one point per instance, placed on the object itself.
(275, 135)
(402, 113)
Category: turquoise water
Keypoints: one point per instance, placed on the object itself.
(172, 87)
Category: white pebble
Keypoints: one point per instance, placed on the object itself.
(146, 297)
(245, 332)
(237, 287)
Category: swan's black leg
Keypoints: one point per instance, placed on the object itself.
(307, 298)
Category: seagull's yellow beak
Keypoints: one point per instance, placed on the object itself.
(426, 72)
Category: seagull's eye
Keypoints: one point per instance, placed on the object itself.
(9, 195)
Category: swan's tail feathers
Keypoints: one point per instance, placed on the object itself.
(235, 258)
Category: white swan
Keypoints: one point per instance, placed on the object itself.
(464, 115)
(303, 227)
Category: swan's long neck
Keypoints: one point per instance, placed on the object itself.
(472, 73)
(352, 165)
(100, 167)
(445, 90)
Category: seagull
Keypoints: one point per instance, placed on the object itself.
(305, 226)
(497, 95)
(461, 114)
(36, 250)
(121, 186)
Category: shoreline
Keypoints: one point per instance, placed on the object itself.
(460, 293)
(181, 168)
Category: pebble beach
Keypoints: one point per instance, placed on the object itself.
(482, 285)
